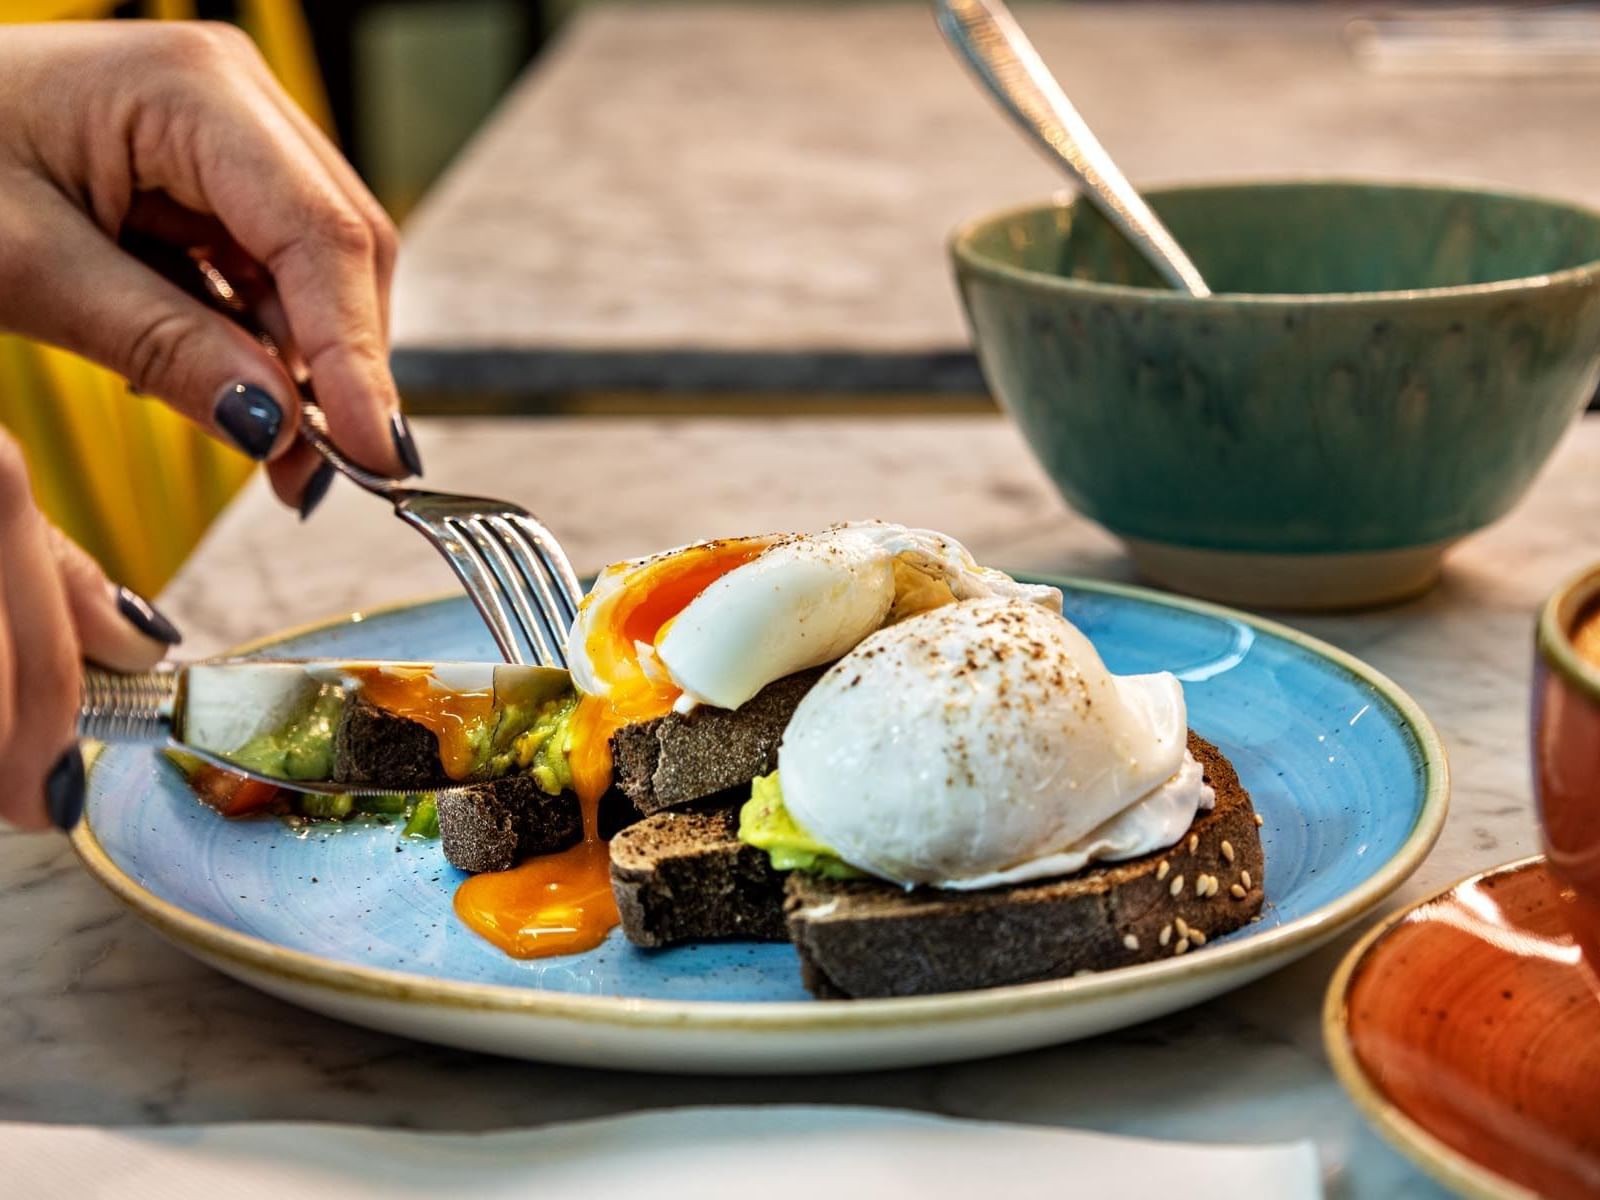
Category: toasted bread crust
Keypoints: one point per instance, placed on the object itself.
(373, 746)
(493, 826)
(683, 757)
(686, 877)
(868, 938)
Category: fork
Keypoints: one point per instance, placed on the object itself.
(513, 569)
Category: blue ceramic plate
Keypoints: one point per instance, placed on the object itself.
(356, 921)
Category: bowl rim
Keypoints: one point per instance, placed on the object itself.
(1553, 635)
(1435, 1157)
(960, 246)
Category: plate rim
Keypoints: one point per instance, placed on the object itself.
(1435, 1157)
(306, 970)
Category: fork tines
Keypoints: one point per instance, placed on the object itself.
(513, 568)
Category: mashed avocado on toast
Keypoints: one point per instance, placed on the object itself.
(534, 739)
(523, 742)
(303, 749)
(765, 823)
(521, 737)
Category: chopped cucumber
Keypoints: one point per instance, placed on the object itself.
(424, 822)
(392, 802)
(337, 807)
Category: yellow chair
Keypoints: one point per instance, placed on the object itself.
(126, 477)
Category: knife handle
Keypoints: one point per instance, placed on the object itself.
(128, 708)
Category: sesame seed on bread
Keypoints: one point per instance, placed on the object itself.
(495, 825)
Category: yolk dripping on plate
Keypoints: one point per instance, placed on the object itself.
(562, 903)
(552, 904)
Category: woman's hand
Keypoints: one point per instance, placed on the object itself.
(175, 131)
(174, 136)
(56, 610)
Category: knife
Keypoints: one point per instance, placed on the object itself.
(212, 709)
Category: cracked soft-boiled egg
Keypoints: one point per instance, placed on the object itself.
(715, 622)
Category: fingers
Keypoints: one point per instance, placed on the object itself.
(301, 478)
(56, 608)
(386, 240)
(89, 296)
(245, 159)
(116, 627)
(40, 690)
(195, 252)
(186, 110)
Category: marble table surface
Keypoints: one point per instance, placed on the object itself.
(757, 197)
(101, 1021)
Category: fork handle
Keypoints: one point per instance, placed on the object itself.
(128, 708)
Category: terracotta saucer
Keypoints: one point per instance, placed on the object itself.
(1468, 1031)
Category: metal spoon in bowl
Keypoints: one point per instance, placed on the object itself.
(987, 36)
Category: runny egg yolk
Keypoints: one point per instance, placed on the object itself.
(562, 903)
(411, 693)
(552, 904)
(651, 597)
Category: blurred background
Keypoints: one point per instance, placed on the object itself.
(401, 84)
(712, 162)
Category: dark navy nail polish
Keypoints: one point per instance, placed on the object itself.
(404, 444)
(316, 488)
(250, 417)
(146, 617)
(63, 790)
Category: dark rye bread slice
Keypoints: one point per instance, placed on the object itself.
(686, 877)
(493, 826)
(683, 757)
(373, 746)
(861, 939)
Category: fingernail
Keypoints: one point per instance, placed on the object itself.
(404, 444)
(250, 417)
(63, 790)
(146, 617)
(316, 488)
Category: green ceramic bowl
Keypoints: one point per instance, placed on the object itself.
(1383, 370)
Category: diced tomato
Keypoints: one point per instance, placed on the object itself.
(232, 795)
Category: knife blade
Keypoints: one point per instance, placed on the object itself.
(213, 709)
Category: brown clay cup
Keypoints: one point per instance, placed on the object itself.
(1566, 757)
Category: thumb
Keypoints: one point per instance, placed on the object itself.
(101, 302)
(117, 627)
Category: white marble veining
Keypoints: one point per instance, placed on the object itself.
(758, 196)
(102, 1021)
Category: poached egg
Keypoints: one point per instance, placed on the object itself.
(716, 621)
(984, 743)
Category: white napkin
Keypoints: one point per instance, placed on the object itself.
(678, 1154)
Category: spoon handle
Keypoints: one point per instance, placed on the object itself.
(1000, 54)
